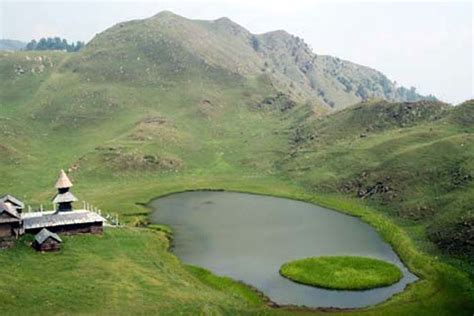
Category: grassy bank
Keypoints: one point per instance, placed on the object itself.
(126, 271)
(442, 289)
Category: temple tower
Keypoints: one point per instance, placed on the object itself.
(64, 198)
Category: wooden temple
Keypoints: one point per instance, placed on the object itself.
(62, 219)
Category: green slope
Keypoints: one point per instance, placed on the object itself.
(168, 49)
(413, 161)
(109, 274)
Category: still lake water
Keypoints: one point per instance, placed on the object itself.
(248, 237)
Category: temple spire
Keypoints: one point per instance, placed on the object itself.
(63, 181)
(64, 198)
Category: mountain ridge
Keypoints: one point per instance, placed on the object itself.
(286, 60)
(11, 45)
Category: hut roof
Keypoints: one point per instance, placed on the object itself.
(13, 200)
(63, 181)
(44, 234)
(51, 219)
(64, 197)
(10, 210)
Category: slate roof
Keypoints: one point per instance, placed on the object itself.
(64, 197)
(51, 219)
(13, 200)
(63, 181)
(10, 210)
(44, 234)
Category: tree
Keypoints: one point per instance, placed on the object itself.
(55, 43)
(42, 44)
(79, 45)
(31, 45)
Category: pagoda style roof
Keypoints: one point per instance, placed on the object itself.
(8, 209)
(13, 201)
(44, 234)
(63, 181)
(52, 219)
(64, 198)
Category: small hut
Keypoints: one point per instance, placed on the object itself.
(10, 220)
(64, 198)
(10, 224)
(16, 203)
(47, 241)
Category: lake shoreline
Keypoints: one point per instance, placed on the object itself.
(267, 301)
(446, 287)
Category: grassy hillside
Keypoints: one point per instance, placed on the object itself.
(415, 162)
(169, 48)
(110, 274)
(333, 82)
(168, 104)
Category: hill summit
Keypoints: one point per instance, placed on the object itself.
(173, 48)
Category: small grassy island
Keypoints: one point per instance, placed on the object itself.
(342, 273)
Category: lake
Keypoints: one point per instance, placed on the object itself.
(248, 237)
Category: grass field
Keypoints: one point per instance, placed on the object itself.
(126, 271)
(342, 273)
